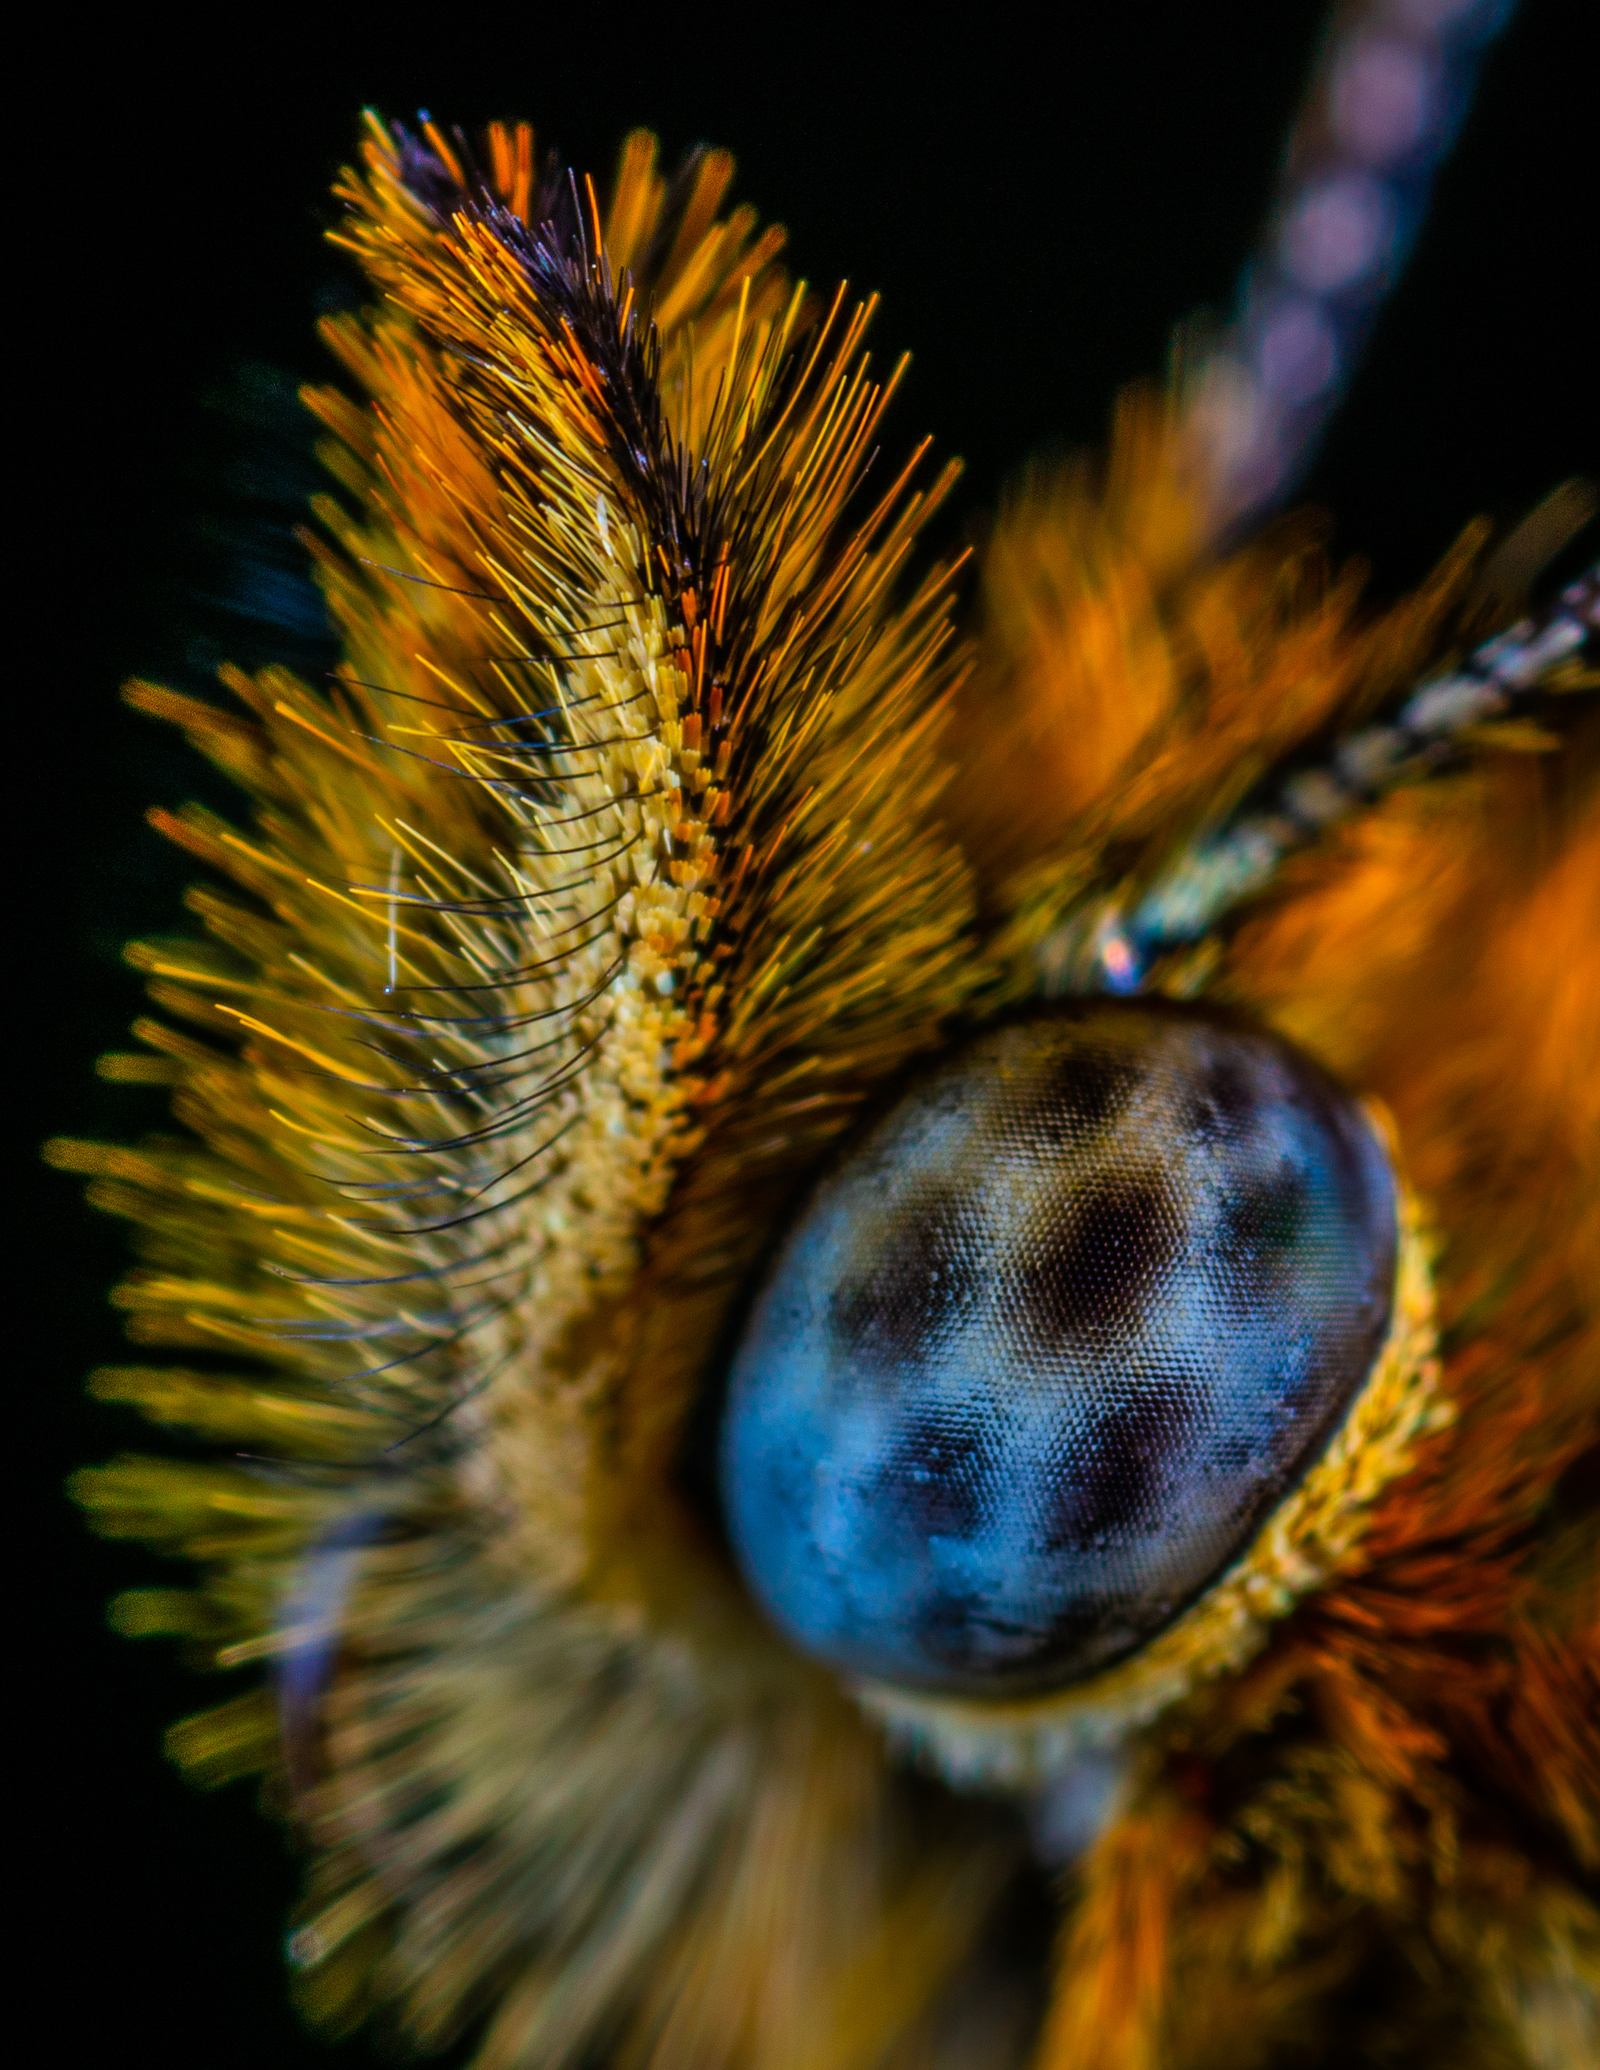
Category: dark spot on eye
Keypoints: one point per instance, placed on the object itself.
(1115, 1480)
(963, 1635)
(944, 1631)
(1081, 1093)
(1260, 1229)
(1343, 1140)
(934, 1478)
(921, 1280)
(958, 1633)
(1223, 1104)
(1075, 1628)
(1352, 1171)
(1094, 1269)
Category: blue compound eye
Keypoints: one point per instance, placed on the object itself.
(1049, 1342)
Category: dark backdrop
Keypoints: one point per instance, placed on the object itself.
(1038, 193)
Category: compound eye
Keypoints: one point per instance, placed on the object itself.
(1049, 1342)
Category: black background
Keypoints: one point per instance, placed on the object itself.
(1037, 193)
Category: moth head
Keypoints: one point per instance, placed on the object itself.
(640, 1023)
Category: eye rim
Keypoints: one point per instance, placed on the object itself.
(1312, 1535)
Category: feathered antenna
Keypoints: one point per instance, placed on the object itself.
(605, 870)
(1494, 687)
